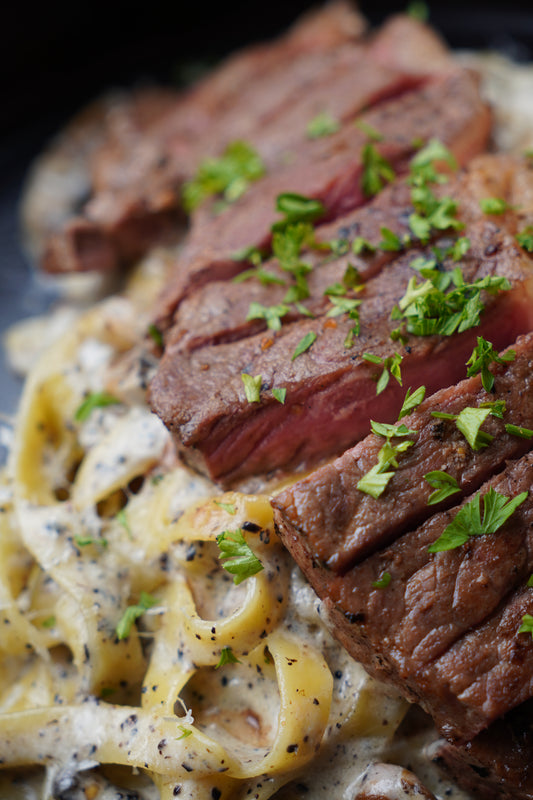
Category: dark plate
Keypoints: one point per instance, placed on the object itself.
(59, 55)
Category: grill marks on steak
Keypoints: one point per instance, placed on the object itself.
(330, 170)
(331, 389)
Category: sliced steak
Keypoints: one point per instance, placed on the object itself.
(338, 526)
(496, 764)
(331, 389)
(330, 170)
(134, 176)
(445, 628)
(218, 312)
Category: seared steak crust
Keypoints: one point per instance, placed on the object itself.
(496, 764)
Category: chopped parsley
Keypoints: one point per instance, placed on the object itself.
(271, 314)
(497, 508)
(428, 308)
(517, 430)
(49, 622)
(252, 387)
(483, 355)
(375, 481)
(344, 305)
(322, 125)
(388, 431)
(383, 581)
(92, 401)
(85, 541)
(122, 519)
(376, 171)
(459, 248)
(304, 344)
(132, 613)
(390, 242)
(236, 555)
(227, 656)
(297, 208)
(370, 132)
(185, 732)
(228, 176)
(391, 366)
(280, 394)
(525, 238)
(497, 407)
(412, 401)
(229, 507)
(493, 205)
(155, 334)
(360, 246)
(417, 9)
(445, 485)
(469, 422)
(527, 624)
(264, 277)
(250, 253)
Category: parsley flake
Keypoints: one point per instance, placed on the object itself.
(49, 622)
(372, 133)
(85, 541)
(445, 485)
(497, 508)
(527, 624)
(227, 656)
(374, 482)
(304, 344)
(525, 238)
(376, 171)
(322, 125)
(252, 387)
(391, 242)
(228, 176)
(361, 246)
(391, 366)
(271, 314)
(383, 581)
(483, 355)
(493, 205)
(428, 309)
(229, 507)
(237, 556)
(517, 430)
(132, 613)
(469, 422)
(297, 208)
(185, 732)
(280, 394)
(412, 401)
(92, 401)
(122, 519)
(155, 334)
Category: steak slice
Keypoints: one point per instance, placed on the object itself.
(496, 764)
(330, 388)
(330, 170)
(331, 525)
(218, 312)
(445, 628)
